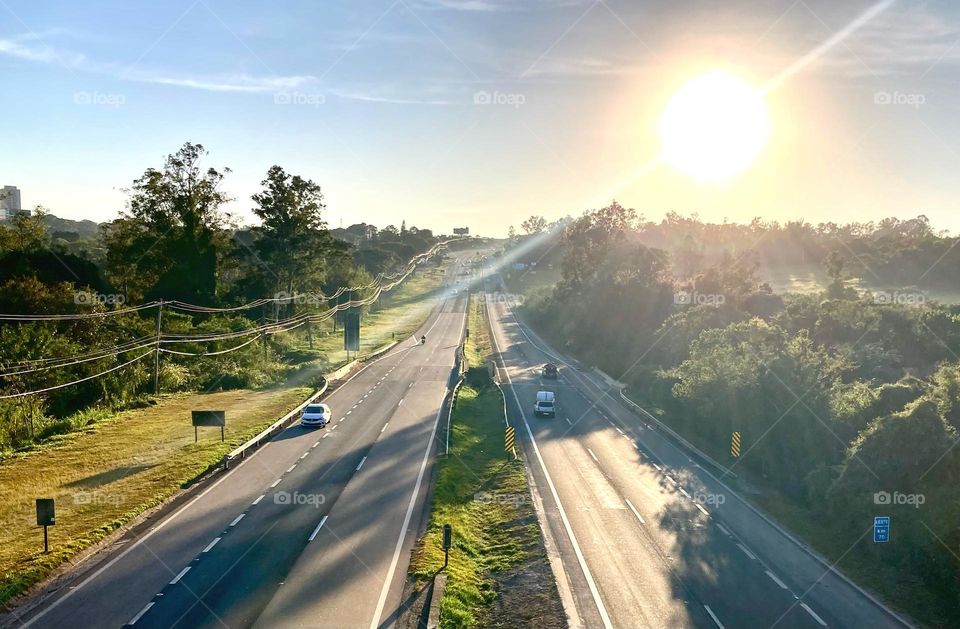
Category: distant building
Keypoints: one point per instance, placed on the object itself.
(461, 231)
(9, 202)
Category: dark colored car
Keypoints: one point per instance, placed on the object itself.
(550, 371)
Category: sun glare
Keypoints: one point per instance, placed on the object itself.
(713, 127)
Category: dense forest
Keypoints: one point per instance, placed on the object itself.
(175, 273)
(847, 402)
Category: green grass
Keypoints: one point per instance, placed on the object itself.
(107, 474)
(481, 492)
(121, 464)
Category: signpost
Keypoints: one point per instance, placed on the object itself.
(46, 516)
(447, 542)
(881, 529)
(208, 419)
(351, 331)
(510, 439)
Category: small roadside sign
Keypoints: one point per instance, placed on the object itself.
(46, 516)
(211, 419)
(509, 439)
(881, 529)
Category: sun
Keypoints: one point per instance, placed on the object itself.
(714, 127)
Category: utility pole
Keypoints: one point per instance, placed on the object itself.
(156, 353)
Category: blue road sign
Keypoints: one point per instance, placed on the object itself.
(881, 529)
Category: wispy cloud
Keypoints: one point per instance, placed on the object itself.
(490, 6)
(237, 83)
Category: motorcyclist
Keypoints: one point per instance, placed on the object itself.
(423, 339)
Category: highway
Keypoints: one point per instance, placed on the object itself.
(312, 530)
(640, 533)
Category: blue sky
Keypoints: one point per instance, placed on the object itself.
(479, 112)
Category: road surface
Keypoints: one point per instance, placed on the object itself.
(313, 530)
(642, 535)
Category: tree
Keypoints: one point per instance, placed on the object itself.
(534, 224)
(26, 233)
(174, 229)
(292, 238)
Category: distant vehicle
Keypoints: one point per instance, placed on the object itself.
(550, 371)
(546, 404)
(315, 416)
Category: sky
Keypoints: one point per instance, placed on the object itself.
(479, 113)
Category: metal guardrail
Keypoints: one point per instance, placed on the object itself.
(278, 426)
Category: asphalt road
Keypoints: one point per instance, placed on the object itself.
(313, 530)
(642, 535)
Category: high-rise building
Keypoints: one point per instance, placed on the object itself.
(9, 202)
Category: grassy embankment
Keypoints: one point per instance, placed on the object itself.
(483, 494)
(121, 464)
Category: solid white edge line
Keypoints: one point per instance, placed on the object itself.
(814, 614)
(140, 614)
(361, 463)
(212, 544)
(556, 497)
(142, 539)
(777, 580)
(593, 455)
(317, 530)
(635, 512)
(180, 575)
(382, 601)
(714, 616)
(237, 519)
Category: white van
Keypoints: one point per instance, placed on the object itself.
(546, 404)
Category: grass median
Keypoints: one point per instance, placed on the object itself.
(483, 494)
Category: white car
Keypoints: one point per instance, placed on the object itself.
(546, 404)
(315, 415)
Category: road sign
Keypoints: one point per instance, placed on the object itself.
(351, 331)
(881, 529)
(46, 516)
(509, 439)
(211, 419)
(735, 445)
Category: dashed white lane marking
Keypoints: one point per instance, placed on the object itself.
(275, 483)
(702, 509)
(659, 469)
(317, 443)
(180, 575)
(670, 478)
(213, 543)
(304, 455)
(814, 614)
(364, 397)
(384, 427)
(746, 551)
(400, 402)
(684, 492)
(618, 429)
(361, 463)
(714, 616)
(593, 455)
(635, 512)
(348, 412)
(291, 468)
(317, 530)
(352, 407)
(140, 614)
(724, 529)
(257, 501)
(776, 579)
(237, 519)
(568, 421)
(342, 418)
(325, 436)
